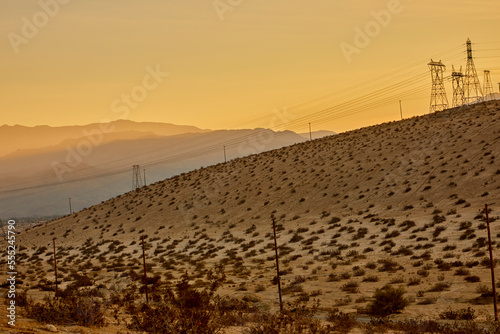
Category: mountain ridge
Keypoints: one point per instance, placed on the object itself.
(17, 137)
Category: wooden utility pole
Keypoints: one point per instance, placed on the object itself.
(277, 264)
(55, 263)
(400, 109)
(70, 210)
(310, 132)
(492, 264)
(144, 177)
(145, 273)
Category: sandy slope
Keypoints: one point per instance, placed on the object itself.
(408, 191)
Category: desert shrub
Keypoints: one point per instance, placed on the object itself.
(397, 280)
(444, 266)
(471, 264)
(296, 237)
(77, 306)
(483, 289)
(438, 230)
(183, 309)
(371, 278)
(387, 300)
(403, 251)
(487, 263)
(388, 265)
(423, 272)
(334, 220)
(371, 265)
(81, 280)
(449, 247)
(359, 272)
(333, 278)
(414, 281)
(462, 272)
(462, 314)
(392, 234)
(341, 322)
(343, 301)
(486, 296)
(472, 279)
(345, 275)
(351, 287)
(298, 321)
(437, 219)
(22, 298)
(439, 287)
(407, 224)
(362, 231)
(295, 286)
(417, 264)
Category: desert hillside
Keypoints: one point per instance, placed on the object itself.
(399, 203)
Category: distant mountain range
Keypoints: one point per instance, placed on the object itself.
(94, 162)
(17, 138)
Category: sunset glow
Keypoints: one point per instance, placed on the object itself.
(231, 63)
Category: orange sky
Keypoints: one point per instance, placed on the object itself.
(230, 63)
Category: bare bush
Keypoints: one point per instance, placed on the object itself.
(183, 309)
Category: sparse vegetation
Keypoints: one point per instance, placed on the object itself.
(427, 235)
(462, 314)
(388, 300)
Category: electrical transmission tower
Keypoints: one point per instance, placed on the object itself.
(472, 85)
(458, 87)
(439, 101)
(488, 86)
(136, 177)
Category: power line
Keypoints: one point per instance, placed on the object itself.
(398, 84)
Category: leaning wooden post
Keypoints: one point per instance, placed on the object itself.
(492, 264)
(277, 264)
(55, 262)
(145, 272)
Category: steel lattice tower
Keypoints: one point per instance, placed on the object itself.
(439, 100)
(488, 86)
(472, 85)
(458, 87)
(136, 177)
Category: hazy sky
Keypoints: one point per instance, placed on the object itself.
(230, 63)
